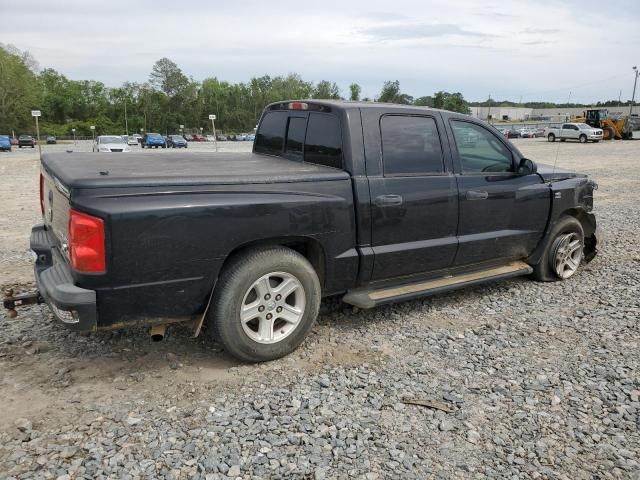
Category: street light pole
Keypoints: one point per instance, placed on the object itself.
(74, 135)
(633, 96)
(126, 121)
(213, 127)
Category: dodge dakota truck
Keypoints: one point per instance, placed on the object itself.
(376, 203)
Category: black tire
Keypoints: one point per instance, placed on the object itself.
(608, 133)
(544, 271)
(223, 319)
(551, 137)
(582, 139)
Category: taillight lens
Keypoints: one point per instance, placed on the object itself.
(86, 242)
(42, 194)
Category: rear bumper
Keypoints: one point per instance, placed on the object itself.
(71, 305)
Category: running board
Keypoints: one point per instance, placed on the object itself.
(369, 298)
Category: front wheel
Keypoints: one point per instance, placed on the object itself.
(564, 252)
(264, 304)
(551, 137)
(583, 139)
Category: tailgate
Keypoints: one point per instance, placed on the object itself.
(55, 200)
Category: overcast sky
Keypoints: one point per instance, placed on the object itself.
(537, 50)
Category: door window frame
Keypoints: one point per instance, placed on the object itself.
(445, 168)
(458, 160)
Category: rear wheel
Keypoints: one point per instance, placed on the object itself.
(563, 253)
(551, 137)
(264, 304)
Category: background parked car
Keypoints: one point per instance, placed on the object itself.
(527, 132)
(250, 137)
(210, 138)
(198, 138)
(188, 137)
(51, 140)
(26, 141)
(513, 133)
(153, 140)
(132, 140)
(13, 140)
(110, 143)
(176, 141)
(5, 143)
(222, 138)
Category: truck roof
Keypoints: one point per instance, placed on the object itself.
(351, 105)
(94, 170)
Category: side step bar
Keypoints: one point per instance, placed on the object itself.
(369, 298)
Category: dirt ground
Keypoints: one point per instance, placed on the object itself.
(49, 374)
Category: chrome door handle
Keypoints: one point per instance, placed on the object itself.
(388, 201)
(477, 195)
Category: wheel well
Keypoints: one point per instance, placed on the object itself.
(584, 218)
(309, 248)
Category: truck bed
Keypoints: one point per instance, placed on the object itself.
(94, 170)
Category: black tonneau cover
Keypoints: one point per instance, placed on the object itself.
(97, 170)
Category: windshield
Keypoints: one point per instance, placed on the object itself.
(584, 126)
(25, 137)
(110, 140)
(4, 137)
(176, 137)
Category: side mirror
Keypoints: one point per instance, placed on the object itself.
(527, 167)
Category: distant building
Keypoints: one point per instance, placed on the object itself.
(521, 114)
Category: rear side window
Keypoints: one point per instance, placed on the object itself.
(323, 143)
(410, 146)
(270, 138)
(295, 135)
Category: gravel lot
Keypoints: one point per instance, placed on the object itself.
(530, 380)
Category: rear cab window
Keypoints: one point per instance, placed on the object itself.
(311, 137)
(410, 146)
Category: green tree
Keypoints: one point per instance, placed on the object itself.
(18, 93)
(391, 94)
(355, 91)
(426, 101)
(453, 102)
(167, 77)
(326, 90)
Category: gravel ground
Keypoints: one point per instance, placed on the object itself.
(523, 379)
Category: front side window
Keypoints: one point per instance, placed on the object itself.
(410, 146)
(270, 138)
(480, 150)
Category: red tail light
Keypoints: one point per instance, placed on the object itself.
(298, 106)
(42, 194)
(86, 242)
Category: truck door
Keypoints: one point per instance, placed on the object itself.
(413, 194)
(569, 131)
(502, 214)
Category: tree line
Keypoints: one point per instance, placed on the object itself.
(167, 100)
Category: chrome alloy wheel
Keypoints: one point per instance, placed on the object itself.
(567, 255)
(273, 307)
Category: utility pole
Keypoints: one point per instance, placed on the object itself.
(213, 127)
(489, 111)
(633, 96)
(36, 114)
(126, 121)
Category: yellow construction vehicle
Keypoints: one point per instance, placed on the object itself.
(614, 125)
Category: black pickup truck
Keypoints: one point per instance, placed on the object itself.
(376, 203)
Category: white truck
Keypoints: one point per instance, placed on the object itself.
(574, 131)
